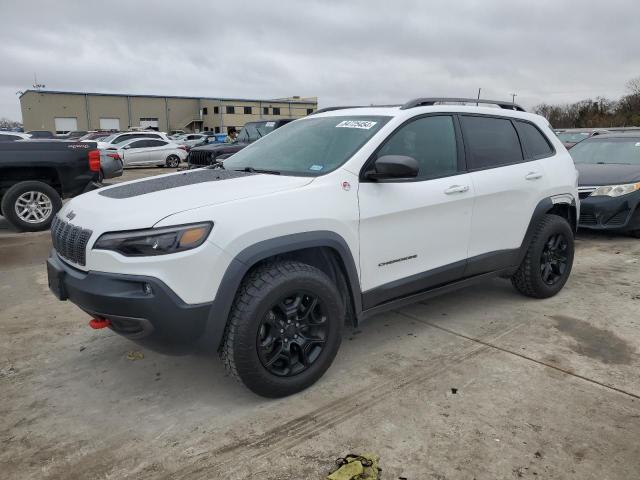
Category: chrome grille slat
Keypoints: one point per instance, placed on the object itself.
(70, 241)
(199, 157)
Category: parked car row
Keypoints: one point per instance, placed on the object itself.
(212, 153)
(609, 182)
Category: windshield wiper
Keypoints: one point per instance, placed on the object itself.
(257, 170)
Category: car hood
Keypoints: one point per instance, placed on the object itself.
(143, 203)
(607, 174)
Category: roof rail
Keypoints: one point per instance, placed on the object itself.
(425, 102)
(332, 109)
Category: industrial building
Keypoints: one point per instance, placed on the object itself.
(62, 112)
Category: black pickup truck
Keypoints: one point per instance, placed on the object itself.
(35, 175)
(202, 156)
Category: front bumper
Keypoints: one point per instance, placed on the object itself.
(611, 213)
(141, 308)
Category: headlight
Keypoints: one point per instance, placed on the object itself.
(616, 190)
(155, 241)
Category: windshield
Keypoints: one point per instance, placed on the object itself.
(572, 137)
(313, 146)
(608, 150)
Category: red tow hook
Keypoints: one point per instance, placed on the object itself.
(98, 323)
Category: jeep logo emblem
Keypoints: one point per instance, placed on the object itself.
(70, 215)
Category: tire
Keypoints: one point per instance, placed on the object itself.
(173, 161)
(542, 274)
(251, 338)
(43, 198)
(635, 233)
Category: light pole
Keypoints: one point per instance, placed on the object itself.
(513, 97)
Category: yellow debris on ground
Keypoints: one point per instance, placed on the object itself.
(357, 467)
(135, 355)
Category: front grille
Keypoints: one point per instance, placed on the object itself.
(587, 219)
(70, 241)
(619, 218)
(199, 157)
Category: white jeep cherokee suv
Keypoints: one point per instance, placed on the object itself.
(337, 216)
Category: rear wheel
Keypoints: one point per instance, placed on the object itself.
(284, 329)
(547, 264)
(31, 205)
(173, 161)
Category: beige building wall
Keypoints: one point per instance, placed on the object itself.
(182, 111)
(40, 108)
(102, 106)
(148, 107)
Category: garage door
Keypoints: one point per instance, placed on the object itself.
(109, 124)
(66, 125)
(149, 122)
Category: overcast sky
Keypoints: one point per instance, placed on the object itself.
(344, 52)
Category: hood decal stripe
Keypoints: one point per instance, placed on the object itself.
(192, 177)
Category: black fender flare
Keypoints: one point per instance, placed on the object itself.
(250, 256)
(541, 209)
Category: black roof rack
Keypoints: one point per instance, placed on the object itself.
(425, 102)
(332, 109)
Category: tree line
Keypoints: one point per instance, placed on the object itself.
(601, 112)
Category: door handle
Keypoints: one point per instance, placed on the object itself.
(533, 176)
(457, 189)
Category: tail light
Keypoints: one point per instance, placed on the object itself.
(114, 155)
(94, 160)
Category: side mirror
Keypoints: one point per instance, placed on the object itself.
(393, 166)
(126, 147)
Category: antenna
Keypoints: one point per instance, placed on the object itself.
(36, 85)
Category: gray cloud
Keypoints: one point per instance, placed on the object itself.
(361, 51)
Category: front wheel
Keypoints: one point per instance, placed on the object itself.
(284, 329)
(173, 161)
(548, 261)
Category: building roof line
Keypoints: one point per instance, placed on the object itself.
(272, 100)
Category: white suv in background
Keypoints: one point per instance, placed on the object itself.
(118, 138)
(336, 216)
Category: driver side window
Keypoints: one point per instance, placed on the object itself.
(431, 141)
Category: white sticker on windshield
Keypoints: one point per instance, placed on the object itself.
(270, 124)
(363, 124)
(637, 144)
(316, 168)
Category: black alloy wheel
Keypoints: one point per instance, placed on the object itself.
(547, 263)
(554, 259)
(292, 334)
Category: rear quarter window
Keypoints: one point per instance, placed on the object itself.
(534, 142)
(490, 141)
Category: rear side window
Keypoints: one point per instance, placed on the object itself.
(491, 142)
(431, 141)
(533, 141)
(155, 143)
